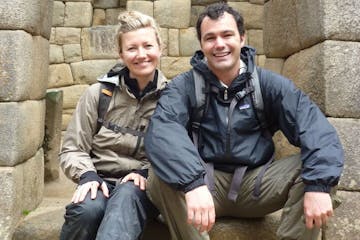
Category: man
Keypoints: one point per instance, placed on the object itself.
(234, 151)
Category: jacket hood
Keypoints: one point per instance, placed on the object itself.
(247, 55)
(115, 73)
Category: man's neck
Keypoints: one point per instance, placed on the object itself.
(227, 77)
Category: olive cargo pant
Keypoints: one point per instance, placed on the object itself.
(281, 188)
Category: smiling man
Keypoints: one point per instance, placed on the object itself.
(226, 167)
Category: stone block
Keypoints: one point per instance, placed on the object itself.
(277, 42)
(60, 75)
(99, 42)
(203, 2)
(66, 117)
(164, 36)
(316, 71)
(22, 190)
(51, 145)
(349, 132)
(72, 95)
(172, 66)
(72, 53)
(23, 66)
(346, 222)
(274, 64)
(86, 72)
(106, 4)
(174, 50)
(58, 14)
(32, 16)
(282, 146)
(90, 1)
(255, 39)
(78, 14)
(294, 25)
(188, 41)
(66, 35)
(244, 229)
(99, 17)
(146, 7)
(19, 121)
(261, 2)
(260, 60)
(40, 67)
(112, 14)
(195, 12)
(56, 54)
(173, 14)
(253, 14)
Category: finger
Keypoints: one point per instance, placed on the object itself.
(309, 222)
(75, 197)
(197, 219)
(83, 192)
(142, 183)
(125, 179)
(190, 215)
(136, 181)
(318, 221)
(204, 221)
(105, 189)
(212, 217)
(93, 188)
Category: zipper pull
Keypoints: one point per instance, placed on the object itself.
(225, 94)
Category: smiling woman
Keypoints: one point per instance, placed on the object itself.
(140, 52)
(109, 163)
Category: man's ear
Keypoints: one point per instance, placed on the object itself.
(242, 39)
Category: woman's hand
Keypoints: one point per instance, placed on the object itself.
(91, 186)
(138, 180)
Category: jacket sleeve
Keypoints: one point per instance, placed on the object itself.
(169, 148)
(74, 155)
(305, 126)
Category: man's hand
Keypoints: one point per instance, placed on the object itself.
(200, 208)
(92, 186)
(317, 209)
(139, 180)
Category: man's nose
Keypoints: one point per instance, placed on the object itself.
(219, 42)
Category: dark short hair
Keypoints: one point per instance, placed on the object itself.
(216, 10)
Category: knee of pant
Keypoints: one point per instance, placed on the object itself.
(128, 191)
(88, 212)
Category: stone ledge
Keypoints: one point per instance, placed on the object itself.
(45, 223)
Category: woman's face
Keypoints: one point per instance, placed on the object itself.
(140, 53)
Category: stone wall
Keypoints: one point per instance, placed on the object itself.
(83, 44)
(24, 47)
(317, 45)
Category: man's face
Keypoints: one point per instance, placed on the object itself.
(221, 43)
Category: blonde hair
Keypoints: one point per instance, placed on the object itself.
(133, 20)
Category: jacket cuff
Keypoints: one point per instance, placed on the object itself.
(142, 172)
(90, 176)
(317, 188)
(194, 184)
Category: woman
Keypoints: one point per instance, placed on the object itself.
(109, 163)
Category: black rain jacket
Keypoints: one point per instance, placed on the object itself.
(240, 141)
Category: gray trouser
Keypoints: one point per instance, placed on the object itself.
(281, 188)
(122, 216)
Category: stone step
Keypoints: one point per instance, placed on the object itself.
(44, 223)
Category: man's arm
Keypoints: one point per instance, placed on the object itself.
(169, 148)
